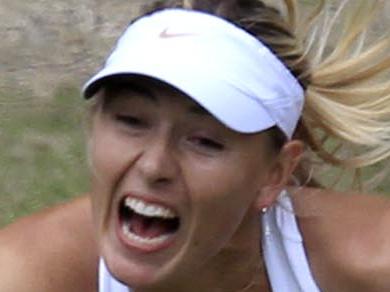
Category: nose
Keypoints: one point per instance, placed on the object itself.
(157, 164)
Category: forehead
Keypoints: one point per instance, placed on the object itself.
(146, 88)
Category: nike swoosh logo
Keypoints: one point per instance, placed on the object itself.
(165, 34)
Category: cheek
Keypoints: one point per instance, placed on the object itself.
(226, 184)
(110, 157)
(105, 160)
(111, 153)
(221, 197)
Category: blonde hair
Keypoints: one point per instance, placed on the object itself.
(346, 117)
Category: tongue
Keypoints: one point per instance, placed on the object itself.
(148, 227)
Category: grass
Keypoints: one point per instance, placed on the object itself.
(43, 160)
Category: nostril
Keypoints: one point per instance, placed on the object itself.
(157, 165)
(160, 182)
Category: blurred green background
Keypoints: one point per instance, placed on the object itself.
(42, 158)
(49, 48)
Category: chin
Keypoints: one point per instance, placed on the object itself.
(129, 271)
(141, 255)
(135, 270)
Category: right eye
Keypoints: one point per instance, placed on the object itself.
(131, 121)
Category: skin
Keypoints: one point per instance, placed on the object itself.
(168, 159)
(347, 254)
(347, 238)
(161, 146)
(53, 250)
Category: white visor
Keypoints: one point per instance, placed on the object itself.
(226, 70)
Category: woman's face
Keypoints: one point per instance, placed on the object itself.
(173, 185)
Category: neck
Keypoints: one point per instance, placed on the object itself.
(237, 268)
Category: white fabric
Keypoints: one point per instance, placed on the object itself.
(222, 67)
(284, 255)
(107, 283)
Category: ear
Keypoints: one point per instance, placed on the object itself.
(279, 173)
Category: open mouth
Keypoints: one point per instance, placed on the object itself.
(147, 225)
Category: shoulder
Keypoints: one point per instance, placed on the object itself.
(347, 238)
(53, 250)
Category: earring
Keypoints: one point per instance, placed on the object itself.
(264, 210)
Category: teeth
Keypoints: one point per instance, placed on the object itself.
(151, 241)
(149, 210)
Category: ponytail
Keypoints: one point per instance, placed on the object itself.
(347, 108)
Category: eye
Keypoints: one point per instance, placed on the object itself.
(131, 121)
(207, 143)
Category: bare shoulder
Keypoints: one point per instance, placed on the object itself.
(347, 238)
(53, 250)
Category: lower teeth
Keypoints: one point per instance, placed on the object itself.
(156, 240)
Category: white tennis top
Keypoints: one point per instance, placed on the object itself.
(284, 254)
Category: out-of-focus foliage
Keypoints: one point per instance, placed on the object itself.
(48, 49)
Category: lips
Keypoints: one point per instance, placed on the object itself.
(146, 226)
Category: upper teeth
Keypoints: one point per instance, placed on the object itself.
(147, 209)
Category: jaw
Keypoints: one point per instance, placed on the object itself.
(143, 261)
(186, 253)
